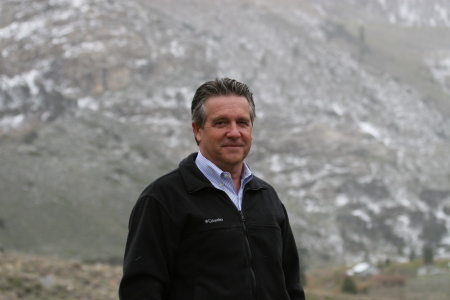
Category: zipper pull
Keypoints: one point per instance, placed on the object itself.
(242, 216)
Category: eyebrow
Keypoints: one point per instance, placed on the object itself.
(244, 119)
(218, 119)
(226, 118)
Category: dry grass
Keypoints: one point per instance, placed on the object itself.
(31, 278)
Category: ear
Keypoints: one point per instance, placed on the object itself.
(197, 134)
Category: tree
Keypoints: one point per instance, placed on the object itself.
(412, 255)
(428, 255)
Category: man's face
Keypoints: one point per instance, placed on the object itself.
(227, 134)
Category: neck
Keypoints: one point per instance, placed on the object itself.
(236, 176)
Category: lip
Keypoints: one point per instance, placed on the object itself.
(232, 145)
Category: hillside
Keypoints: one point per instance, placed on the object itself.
(352, 128)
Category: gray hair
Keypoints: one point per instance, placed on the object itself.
(216, 88)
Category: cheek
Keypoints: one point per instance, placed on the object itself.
(249, 136)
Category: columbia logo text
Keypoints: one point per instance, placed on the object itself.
(209, 221)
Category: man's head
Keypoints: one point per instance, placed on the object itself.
(215, 88)
(223, 112)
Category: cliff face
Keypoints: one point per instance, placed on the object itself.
(353, 118)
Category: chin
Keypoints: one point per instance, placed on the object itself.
(234, 160)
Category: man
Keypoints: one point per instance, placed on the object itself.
(210, 230)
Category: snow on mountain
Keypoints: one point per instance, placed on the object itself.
(97, 94)
(409, 13)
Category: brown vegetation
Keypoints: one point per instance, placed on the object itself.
(397, 281)
(389, 280)
(32, 278)
(29, 277)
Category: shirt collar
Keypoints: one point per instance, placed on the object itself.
(213, 173)
(195, 180)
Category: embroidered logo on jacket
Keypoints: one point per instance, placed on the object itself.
(209, 221)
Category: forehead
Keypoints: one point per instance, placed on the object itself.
(227, 105)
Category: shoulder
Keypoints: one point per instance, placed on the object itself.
(269, 191)
(263, 189)
(177, 184)
(172, 180)
(261, 182)
(160, 195)
(257, 182)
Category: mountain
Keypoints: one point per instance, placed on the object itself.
(352, 128)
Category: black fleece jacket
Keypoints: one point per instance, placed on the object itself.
(187, 240)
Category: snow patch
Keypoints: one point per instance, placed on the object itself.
(369, 128)
(60, 31)
(88, 103)
(28, 79)
(382, 3)
(407, 14)
(275, 163)
(443, 13)
(337, 109)
(10, 122)
(362, 215)
(439, 65)
(176, 49)
(404, 220)
(96, 46)
(341, 200)
(141, 62)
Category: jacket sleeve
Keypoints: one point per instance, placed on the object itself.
(153, 238)
(291, 263)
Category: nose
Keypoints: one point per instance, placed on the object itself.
(233, 132)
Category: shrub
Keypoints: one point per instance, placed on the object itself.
(349, 286)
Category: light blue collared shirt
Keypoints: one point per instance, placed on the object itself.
(222, 180)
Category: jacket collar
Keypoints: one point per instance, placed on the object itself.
(194, 179)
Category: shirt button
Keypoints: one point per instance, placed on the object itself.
(226, 175)
(220, 184)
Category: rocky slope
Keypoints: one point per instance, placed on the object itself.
(353, 118)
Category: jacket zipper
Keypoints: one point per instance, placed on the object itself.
(250, 257)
